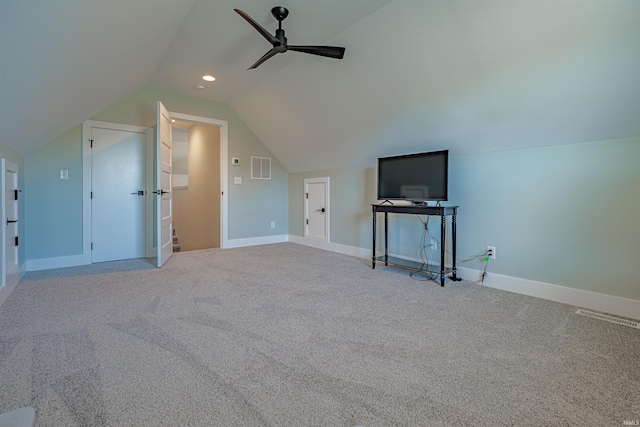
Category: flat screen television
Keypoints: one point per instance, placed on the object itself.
(418, 178)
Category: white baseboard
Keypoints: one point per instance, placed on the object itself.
(619, 306)
(624, 307)
(331, 247)
(254, 241)
(57, 262)
(76, 260)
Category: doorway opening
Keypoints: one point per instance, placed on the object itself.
(196, 186)
(152, 224)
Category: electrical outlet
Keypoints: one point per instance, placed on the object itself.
(273, 224)
(491, 252)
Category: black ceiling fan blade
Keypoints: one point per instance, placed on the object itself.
(266, 34)
(328, 51)
(266, 56)
(279, 41)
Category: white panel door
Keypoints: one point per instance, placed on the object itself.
(117, 195)
(164, 168)
(10, 195)
(317, 209)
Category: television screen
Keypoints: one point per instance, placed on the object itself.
(415, 177)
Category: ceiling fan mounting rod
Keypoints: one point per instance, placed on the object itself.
(280, 13)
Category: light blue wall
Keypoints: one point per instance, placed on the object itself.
(565, 215)
(54, 221)
(53, 205)
(8, 154)
(351, 192)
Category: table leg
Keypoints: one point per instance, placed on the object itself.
(443, 224)
(454, 242)
(373, 247)
(386, 239)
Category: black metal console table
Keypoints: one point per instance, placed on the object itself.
(443, 212)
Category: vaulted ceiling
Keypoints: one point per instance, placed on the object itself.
(467, 75)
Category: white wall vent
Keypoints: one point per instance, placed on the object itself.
(608, 318)
(260, 167)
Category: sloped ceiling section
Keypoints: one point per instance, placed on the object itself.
(214, 39)
(468, 75)
(63, 61)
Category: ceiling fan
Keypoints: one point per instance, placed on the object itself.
(279, 42)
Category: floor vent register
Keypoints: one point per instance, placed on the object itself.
(608, 318)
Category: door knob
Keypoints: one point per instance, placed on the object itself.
(320, 210)
(11, 221)
(139, 193)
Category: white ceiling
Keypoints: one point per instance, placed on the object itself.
(468, 75)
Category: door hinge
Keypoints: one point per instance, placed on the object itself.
(307, 195)
(91, 245)
(16, 240)
(307, 222)
(91, 142)
(91, 197)
(15, 194)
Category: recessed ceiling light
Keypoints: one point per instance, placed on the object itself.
(208, 78)
(199, 87)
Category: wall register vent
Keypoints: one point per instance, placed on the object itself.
(260, 167)
(608, 318)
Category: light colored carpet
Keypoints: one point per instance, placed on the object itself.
(286, 335)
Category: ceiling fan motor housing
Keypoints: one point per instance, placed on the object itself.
(280, 36)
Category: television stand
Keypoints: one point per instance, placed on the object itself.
(443, 212)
